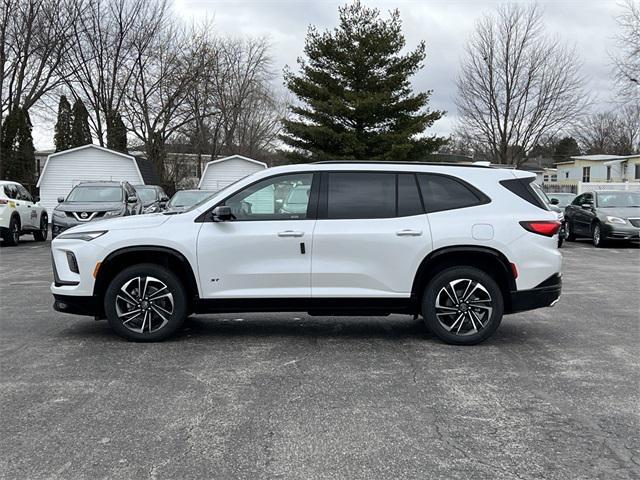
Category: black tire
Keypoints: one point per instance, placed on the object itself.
(466, 334)
(569, 231)
(596, 236)
(560, 241)
(41, 235)
(164, 319)
(11, 236)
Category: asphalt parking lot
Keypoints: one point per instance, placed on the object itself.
(555, 394)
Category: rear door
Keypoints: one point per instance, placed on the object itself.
(26, 207)
(370, 237)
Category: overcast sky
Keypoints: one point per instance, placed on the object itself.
(444, 25)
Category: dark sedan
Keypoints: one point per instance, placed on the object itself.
(604, 215)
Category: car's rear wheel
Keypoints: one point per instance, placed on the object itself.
(145, 302)
(462, 305)
(41, 235)
(11, 235)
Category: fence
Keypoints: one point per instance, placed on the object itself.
(581, 187)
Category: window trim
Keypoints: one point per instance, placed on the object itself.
(312, 207)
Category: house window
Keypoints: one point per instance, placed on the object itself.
(586, 174)
(637, 176)
(608, 174)
(554, 178)
(566, 174)
(546, 178)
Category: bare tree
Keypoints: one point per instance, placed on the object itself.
(626, 60)
(517, 84)
(613, 132)
(110, 37)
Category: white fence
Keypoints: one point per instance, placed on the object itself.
(581, 187)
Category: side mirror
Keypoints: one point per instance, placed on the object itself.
(554, 201)
(164, 199)
(221, 213)
(587, 206)
(132, 199)
(36, 199)
(60, 199)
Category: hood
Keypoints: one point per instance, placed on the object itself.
(622, 212)
(89, 206)
(132, 222)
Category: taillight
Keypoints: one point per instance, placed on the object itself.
(548, 228)
(3, 201)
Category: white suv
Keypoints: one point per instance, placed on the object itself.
(459, 244)
(20, 214)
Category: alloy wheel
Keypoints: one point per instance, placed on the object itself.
(596, 235)
(463, 307)
(144, 304)
(15, 233)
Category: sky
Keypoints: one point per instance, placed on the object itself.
(445, 26)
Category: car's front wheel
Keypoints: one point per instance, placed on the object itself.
(596, 236)
(462, 305)
(145, 302)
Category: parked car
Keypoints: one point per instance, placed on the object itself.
(553, 200)
(90, 201)
(184, 199)
(460, 244)
(604, 215)
(153, 198)
(20, 214)
(297, 200)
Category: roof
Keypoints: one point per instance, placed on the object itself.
(603, 158)
(379, 162)
(83, 147)
(101, 183)
(234, 157)
(8, 182)
(148, 171)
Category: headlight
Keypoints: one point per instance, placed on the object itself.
(86, 236)
(616, 220)
(112, 213)
(150, 209)
(59, 214)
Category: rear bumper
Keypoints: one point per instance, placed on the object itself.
(90, 306)
(544, 295)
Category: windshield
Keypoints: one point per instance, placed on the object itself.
(564, 199)
(618, 199)
(197, 205)
(147, 194)
(188, 198)
(95, 194)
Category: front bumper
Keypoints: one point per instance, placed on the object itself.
(90, 305)
(60, 224)
(612, 231)
(543, 295)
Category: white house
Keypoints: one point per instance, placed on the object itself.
(218, 174)
(599, 168)
(64, 170)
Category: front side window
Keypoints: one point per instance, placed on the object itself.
(285, 197)
(361, 195)
(445, 193)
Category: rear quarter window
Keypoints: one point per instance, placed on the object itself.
(526, 190)
(441, 192)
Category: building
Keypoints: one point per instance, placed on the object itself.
(599, 169)
(64, 170)
(218, 174)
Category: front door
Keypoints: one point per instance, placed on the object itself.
(265, 251)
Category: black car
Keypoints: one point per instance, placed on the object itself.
(94, 201)
(153, 198)
(604, 215)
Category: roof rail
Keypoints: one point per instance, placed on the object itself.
(390, 162)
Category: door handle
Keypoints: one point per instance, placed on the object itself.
(290, 233)
(409, 233)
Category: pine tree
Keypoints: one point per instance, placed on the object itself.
(62, 136)
(80, 131)
(116, 132)
(565, 148)
(17, 147)
(355, 93)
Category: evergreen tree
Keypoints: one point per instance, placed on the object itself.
(565, 148)
(62, 136)
(355, 93)
(116, 132)
(17, 147)
(80, 131)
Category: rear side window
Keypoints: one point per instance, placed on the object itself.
(441, 193)
(10, 191)
(361, 195)
(526, 190)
